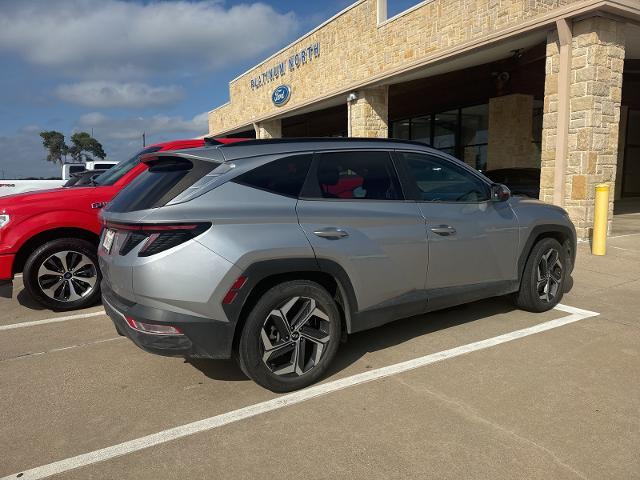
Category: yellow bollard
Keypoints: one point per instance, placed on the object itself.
(600, 219)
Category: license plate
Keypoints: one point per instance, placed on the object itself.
(107, 241)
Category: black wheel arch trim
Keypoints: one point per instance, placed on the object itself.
(546, 230)
(262, 270)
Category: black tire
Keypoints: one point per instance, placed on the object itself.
(540, 290)
(80, 250)
(316, 355)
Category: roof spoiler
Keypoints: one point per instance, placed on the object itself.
(211, 141)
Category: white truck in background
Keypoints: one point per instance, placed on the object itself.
(11, 187)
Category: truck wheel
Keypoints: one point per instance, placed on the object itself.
(290, 337)
(63, 274)
(543, 279)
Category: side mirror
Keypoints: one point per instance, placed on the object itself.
(500, 193)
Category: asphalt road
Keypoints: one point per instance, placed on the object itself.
(553, 404)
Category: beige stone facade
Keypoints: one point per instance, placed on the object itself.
(353, 60)
(268, 129)
(368, 113)
(597, 62)
(355, 51)
(511, 132)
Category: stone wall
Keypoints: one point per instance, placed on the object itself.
(354, 50)
(368, 115)
(550, 118)
(268, 129)
(511, 132)
(597, 65)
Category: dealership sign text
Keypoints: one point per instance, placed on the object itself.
(294, 62)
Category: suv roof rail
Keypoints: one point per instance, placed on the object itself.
(277, 141)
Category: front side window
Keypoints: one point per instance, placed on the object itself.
(355, 176)
(284, 176)
(439, 180)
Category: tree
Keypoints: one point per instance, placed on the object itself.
(83, 145)
(54, 142)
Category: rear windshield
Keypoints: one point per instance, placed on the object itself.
(162, 182)
(118, 171)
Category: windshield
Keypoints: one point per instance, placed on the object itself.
(118, 171)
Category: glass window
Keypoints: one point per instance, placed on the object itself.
(475, 125)
(439, 180)
(633, 128)
(357, 175)
(445, 128)
(284, 177)
(160, 183)
(114, 174)
(395, 7)
(421, 129)
(402, 130)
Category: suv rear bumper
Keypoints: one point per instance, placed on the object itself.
(203, 337)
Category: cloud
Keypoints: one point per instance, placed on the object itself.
(120, 39)
(106, 94)
(122, 129)
(24, 156)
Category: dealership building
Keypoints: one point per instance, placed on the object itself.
(549, 84)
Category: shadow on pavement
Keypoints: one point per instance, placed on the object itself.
(400, 331)
(219, 369)
(380, 338)
(26, 301)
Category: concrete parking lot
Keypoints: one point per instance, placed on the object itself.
(560, 399)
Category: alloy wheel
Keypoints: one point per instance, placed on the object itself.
(67, 276)
(294, 337)
(549, 275)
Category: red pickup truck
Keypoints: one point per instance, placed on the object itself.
(52, 236)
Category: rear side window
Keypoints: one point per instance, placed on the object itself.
(355, 176)
(284, 176)
(163, 181)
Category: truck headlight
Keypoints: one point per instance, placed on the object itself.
(4, 219)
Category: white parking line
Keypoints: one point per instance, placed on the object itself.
(61, 349)
(575, 315)
(51, 320)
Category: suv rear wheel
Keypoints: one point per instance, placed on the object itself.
(63, 274)
(290, 337)
(544, 277)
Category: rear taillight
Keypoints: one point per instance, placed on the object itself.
(156, 238)
(153, 329)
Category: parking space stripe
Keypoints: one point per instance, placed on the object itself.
(61, 349)
(83, 460)
(36, 323)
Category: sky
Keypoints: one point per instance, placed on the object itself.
(123, 67)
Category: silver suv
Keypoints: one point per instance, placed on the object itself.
(274, 251)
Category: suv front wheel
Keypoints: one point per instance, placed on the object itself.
(63, 274)
(544, 276)
(290, 337)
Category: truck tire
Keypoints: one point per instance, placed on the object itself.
(63, 274)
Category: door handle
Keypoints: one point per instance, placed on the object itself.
(331, 233)
(444, 230)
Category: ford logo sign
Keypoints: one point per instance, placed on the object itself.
(281, 95)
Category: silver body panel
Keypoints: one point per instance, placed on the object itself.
(389, 253)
